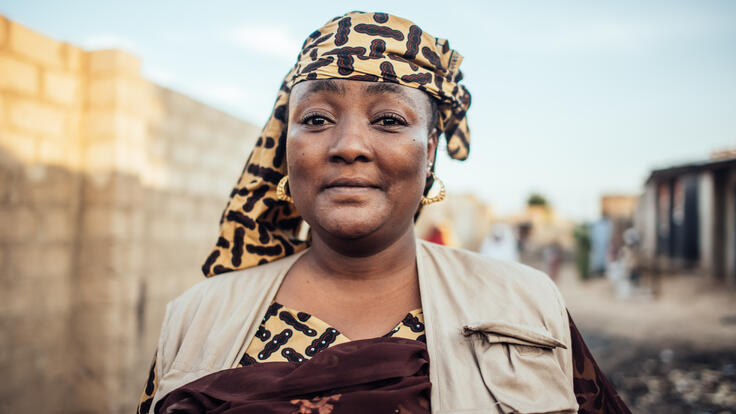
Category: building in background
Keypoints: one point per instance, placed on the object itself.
(686, 217)
(538, 227)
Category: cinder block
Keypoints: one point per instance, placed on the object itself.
(102, 92)
(110, 223)
(57, 224)
(95, 261)
(31, 260)
(24, 258)
(18, 76)
(200, 133)
(60, 87)
(21, 147)
(56, 260)
(184, 154)
(98, 125)
(99, 157)
(34, 46)
(200, 183)
(91, 326)
(18, 224)
(73, 57)
(122, 93)
(102, 194)
(108, 124)
(95, 291)
(91, 391)
(98, 223)
(104, 291)
(37, 117)
(125, 289)
(41, 261)
(102, 62)
(57, 293)
(58, 188)
(52, 152)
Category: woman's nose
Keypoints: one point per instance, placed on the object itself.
(350, 143)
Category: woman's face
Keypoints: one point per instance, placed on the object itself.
(358, 156)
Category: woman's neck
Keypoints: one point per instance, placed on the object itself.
(362, 296)
(342, 262)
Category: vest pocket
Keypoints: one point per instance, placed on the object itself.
(520, 369)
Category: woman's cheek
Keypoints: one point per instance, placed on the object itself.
(296, 153)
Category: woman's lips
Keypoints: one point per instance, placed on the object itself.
(345, 189)
(350, 182)
(350, 186)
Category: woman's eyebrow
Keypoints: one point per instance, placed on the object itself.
(384, 87)
(324, 85)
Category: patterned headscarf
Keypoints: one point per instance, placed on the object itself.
(256, 227)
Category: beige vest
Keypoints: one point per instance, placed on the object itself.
(497, 332)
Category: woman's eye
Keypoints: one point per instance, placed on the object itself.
(315, 120)
(390, 121)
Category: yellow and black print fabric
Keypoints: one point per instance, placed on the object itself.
(286, 335)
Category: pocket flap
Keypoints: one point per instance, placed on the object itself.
(501, 332)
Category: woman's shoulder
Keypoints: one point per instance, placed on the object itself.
(476, 268)
(214, 312)
(491, 289)
(230, 288)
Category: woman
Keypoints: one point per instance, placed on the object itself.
(367, 319)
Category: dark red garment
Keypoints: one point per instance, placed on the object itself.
(380, 375)
(595, 394)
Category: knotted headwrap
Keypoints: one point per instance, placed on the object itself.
(255, 227)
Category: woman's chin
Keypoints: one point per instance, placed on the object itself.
(351, 223)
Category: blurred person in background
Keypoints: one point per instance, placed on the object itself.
(361, 316)
(582, 250)
(501, 243)
(630, 255)
(553, 258)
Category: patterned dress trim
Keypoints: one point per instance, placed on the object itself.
(286, 335)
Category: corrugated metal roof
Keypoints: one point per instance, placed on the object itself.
(694, 167)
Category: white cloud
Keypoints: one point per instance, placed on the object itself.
(265, 39)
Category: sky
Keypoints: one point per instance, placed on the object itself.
(570, 99)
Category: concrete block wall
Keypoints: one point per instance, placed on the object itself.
(40, 107)
(111, 189)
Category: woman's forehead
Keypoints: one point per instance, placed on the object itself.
(343, 87)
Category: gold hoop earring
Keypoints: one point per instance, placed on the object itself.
(281, 190)
(439, 197)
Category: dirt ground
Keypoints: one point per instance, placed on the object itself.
(675, 353)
